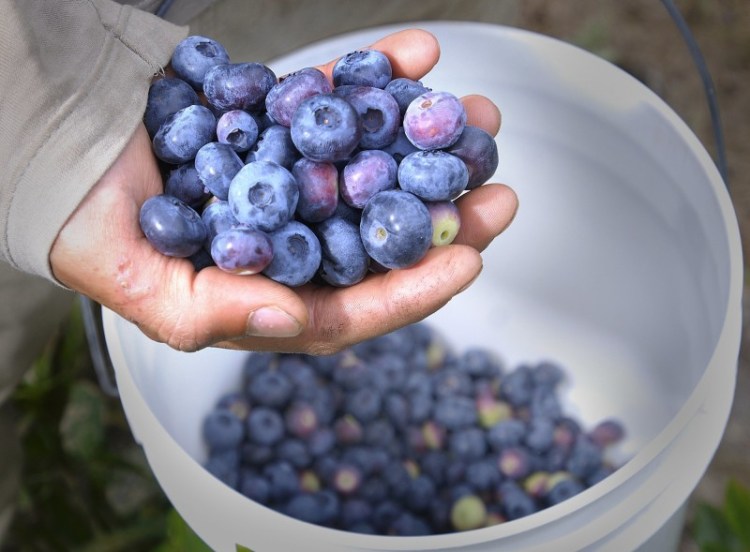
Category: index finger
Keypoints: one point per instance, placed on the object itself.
(412, 53)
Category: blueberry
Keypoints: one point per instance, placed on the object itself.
(274, 144)
(286, 95)
(346, 212)
(171, 226)
(344, 259)
(420, 494)
(483, 475)
(222, 430)
(318, 184)
(599, 474)
(404, 91)
(480, 363)
(396, 229)
(351, 372)
(256, 455)
(326, 128)
(433, 175)
(165, 97)
(478, 150)
(238, 129)
(321, 441)
(265, 426)
(455, 412)
(201, 259)
(241, 251)
(364, 404)
(374, 490)
(270, 388)
(566, 432)
(515, 502)
(397, 478)
(379, 433)
(224, 465)
(302, 421)
(607, 432)
(385, 514)
(541, 434)
(390, 371)
(363, 67)
(238, 85)
(354, 511)
(547, 374)
(236, 403)
(434, 120)
(183, 183)
(468, 513)
(378, 113)
(282, 479)
(585, 457)
(451, 382)
(545, 404)
(421, 406)
(258, 362)
(369, 459)
(348, 430)
(563, 490)
(518, 386)
(217, 217)
(506, 433)
(183, 133)
(294, 451)
(514, 462)
(446, 221)
(366, 174)
(468, 443)
(400, 147)
(195, 55)
(296, 255)
(346, 479)
(217, 164)
(329, 506)
(410, 525)
(263, 195)
(254, 486)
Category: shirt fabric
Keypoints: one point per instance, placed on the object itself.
(74, 78)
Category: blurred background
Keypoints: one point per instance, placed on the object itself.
(86, 485)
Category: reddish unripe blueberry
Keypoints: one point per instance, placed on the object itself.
(434, 120)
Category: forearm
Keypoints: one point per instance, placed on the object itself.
(74, 78)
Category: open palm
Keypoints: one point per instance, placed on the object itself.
(102, 253)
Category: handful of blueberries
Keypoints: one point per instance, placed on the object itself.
(299, 178)
(401, 435)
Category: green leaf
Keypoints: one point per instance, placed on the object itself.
(82, 423)
(241, 548)
(180, 537)
(711, 529)
(737, 512)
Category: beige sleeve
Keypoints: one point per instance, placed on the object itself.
(74, 78)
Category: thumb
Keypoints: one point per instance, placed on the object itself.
(191, 310)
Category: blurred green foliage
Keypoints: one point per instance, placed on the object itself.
(86, 485)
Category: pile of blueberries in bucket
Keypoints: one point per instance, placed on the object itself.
(402, 435)
(301, 178)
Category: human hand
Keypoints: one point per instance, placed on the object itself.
(101, 252)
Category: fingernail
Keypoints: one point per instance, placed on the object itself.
(468, 284)
(272, 322)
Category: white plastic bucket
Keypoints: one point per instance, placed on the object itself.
(624, 264)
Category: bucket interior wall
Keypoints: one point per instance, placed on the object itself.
(616, 265)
